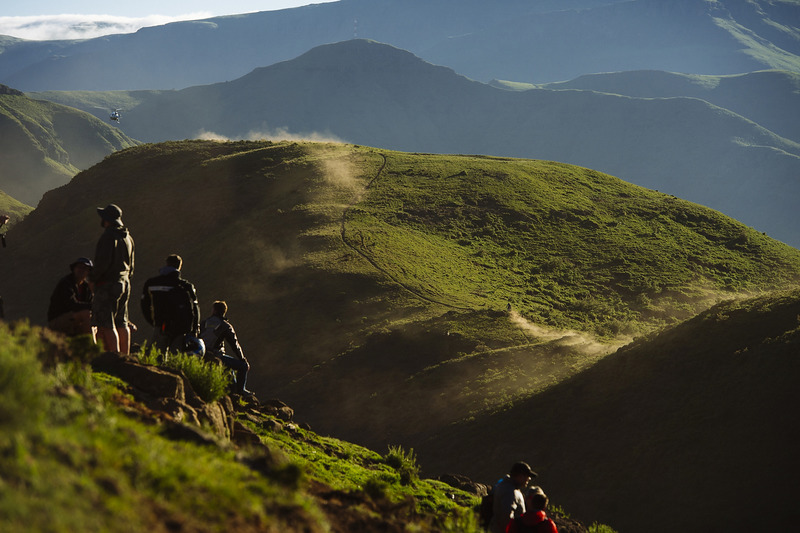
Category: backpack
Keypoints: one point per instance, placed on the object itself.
(178, 311)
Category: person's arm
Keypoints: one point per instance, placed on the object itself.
(195, 311)
(233, 341)
(147, 303)
(103, 256)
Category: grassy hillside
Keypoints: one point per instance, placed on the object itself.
(45, 144)
(370, 288)
(690, 419)
(351, 90)
(82, 451)
(13, 208)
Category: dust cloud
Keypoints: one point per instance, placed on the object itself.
(279, 134)
(582, 341)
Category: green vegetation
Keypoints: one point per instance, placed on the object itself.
(73, 460)
(209, 380)
(45, 144)
(565, 246)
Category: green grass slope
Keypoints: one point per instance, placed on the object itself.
(370, 288)
(45, 144)
(13, 208)
(672, 429)
(82, 452)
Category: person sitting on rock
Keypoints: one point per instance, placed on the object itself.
(216, 332)
(70, 310)
(534, 519)
(509, 502)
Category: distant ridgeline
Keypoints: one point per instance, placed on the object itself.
(4, 89)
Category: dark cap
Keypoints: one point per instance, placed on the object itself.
(111, 213)
(522, 468)
(82, 261)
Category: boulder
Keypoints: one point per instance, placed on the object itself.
(215, 417)
(151, 380)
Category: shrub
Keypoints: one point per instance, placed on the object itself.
(404, 463)
(209, 380)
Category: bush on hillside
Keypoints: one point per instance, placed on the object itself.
(405, 464)
(209, 380)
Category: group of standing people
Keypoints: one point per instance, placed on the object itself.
(517, 508)
(93, 299)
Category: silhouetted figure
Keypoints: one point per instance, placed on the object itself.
(111, 275)
(169, 304)
(216, 332)
(509, 502)
(534, 519)
(70, 310)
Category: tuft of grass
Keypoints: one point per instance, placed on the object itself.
(404, 462)
(211, 381)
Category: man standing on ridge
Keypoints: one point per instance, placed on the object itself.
(111, 275)
(169, 304)
(215, 331)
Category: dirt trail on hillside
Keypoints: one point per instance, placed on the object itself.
(357, 249)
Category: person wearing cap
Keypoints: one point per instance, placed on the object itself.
(509, 502)
(111, 275)
(71, 302)
(534, 519)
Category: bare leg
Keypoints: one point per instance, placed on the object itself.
(109, 338)
(124, 340)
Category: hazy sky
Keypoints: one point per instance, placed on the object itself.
(57, 19)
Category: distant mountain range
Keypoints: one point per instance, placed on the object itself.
(45, 144)
(370, 291)
(770, 98)
(374, 94)
(535, 42)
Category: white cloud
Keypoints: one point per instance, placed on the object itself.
(58, 27)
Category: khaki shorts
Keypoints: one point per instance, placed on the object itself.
(110, 304)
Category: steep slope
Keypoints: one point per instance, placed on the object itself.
(45, 144)
(686, 422)
(543, 41)
(370, 288)
(374, 94)
(112, 447)
(770, 98)
(13, 208)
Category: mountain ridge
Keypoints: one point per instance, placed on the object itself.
(45, 144)
(684, 146)
(556, 41)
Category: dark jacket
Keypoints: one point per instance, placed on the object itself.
(216, 332)
(169, 303)
(113, 258)
(69, 297)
